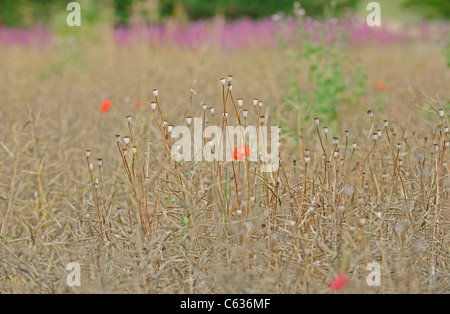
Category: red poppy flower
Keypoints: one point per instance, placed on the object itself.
(241, 152)
(139, 104)
(381, 85)
(106, 105)
(339, 283)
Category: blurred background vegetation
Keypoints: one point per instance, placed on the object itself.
(23, 13)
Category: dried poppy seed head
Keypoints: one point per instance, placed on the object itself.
(240, 102)
(117, 138)
(153, 105)
(347, 133)
(223, 81)
(239, 212)
(211, 110)
(204, 107)
(446, 129)
(150, 143)
(229, 78)
(436, 148)
(307, 151)
(126, 140)
(441, 113)
(375, 136)
(307, 160)
(354, 145)
(260, 103)
(385, 123)
(447, 144)
(399, 145)
(316, 121)
(379, 133)
(262, 119)
(170, 128)
(255, 102)
(245, 114)
(88, 153)
(335, 141)
(230, 88)
(189, 120)
(325, 130)
(165, 123)
(134, 150)
(155, 93)
(99, 162)
(129, 119)
(370, 113)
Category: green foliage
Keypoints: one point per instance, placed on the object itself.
(321, 81)
(434, 9)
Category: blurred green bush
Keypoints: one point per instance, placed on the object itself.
(29, 12)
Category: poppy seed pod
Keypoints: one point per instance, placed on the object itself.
(385, 123)
(441, 113)
(189, 120)
(335, 141)
(223, 81)
(245, 113)
(155, 93)
(211, 110)
(134, 150)
(370, 113)
(88, 153)
(128, 119)
(126, 140)
(117, 138)
(325, 130)
(204, 107)
(446, 129)
(260, 103)
(99, 162)
(230, 88)
(354, 145)
(240, 102)
(436, 148)
(375, 136)
(379, 133)
(170, 128)
(229, 78)
(255, 102)
(153, 105)
(316, 121)
(399, 146)
(347, 133)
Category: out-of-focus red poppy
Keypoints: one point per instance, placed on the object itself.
(381, 85)
(139, 104)
(241, 152)
(106, 105)
(339, 283)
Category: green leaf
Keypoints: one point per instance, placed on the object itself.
(1, 236)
